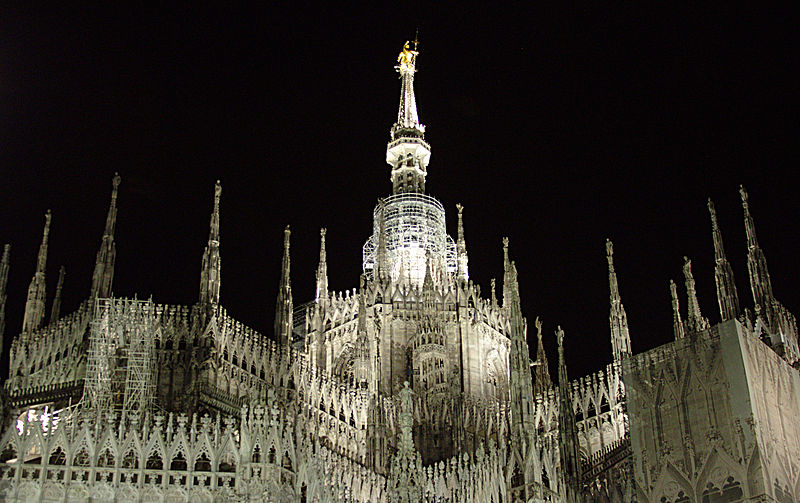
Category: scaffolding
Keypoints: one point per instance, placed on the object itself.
(119, 370)
(415, 232)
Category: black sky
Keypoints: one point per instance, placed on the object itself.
(557, 127)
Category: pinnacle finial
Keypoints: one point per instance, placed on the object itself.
(42, 259)
(713, 212)
(677, 322)
(749, 224)
(461, 246)
(716, 234)
(322, 268)
(505, 250)
(211, 272)
(283, 308)
(111, 218)
(610, 253)
(693, 316)
(215, 212)
(542, 382)
(560, 341)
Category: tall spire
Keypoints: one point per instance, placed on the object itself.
(542, 381)
(617, 318)
(55, 311)
(4, 266)
(760, 282)
(677, 322)
(723, 272)
(283, 308)
(461, 246)
(567, 431)
(407, 117)
(211, 273)
(322, 270)
(103, 275)
(407, 153)
(34, 306)
(520, 385)
(694, 318)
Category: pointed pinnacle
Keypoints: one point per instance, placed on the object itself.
(286, 233)
(42, 259)
(560, 342)
(460, 209)
(716, 234)
(322, 252)
(749, 224)
(115, 184)
(743, 194)
(214, 231)
(674, 292)
(610, 254)
(713, 213)
(111, 217)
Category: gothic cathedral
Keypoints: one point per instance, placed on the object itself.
(412, 387)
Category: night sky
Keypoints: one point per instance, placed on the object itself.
(555, 127)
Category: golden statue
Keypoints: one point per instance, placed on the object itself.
(406, 57)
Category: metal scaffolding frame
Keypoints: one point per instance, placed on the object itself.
(119, 370)
(415, 230)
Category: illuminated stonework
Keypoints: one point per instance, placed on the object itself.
(412, 387)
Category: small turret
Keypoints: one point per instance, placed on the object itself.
(103, 275)
(284, 307)
(56, 309)
(211, 272)
(723, 272)
(617, 318)
(34, 306)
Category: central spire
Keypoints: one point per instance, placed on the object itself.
(407, 153)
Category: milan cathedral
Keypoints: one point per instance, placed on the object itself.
(412, 387)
